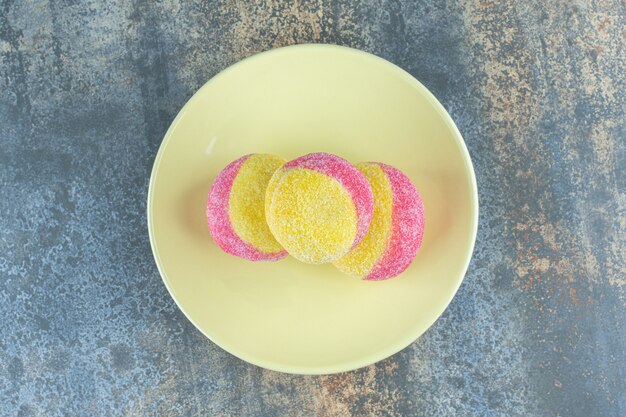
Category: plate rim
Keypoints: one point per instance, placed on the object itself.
(403, 342)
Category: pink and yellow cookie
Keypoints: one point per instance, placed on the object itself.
(318, 207)
(396, 230)
(235, 208)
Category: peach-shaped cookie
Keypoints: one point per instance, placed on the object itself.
(235, 208)
(318, 207)
(396, 230)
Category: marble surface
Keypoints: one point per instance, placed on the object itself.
(87, 90)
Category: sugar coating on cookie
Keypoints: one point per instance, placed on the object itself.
(318, 207)
(396, 229)
(236, 208)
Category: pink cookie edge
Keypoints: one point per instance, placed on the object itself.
(407, 215)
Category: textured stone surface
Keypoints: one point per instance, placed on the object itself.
(87, 90)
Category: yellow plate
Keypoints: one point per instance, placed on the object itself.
(286, 315)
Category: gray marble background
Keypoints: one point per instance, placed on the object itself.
(87, 90)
